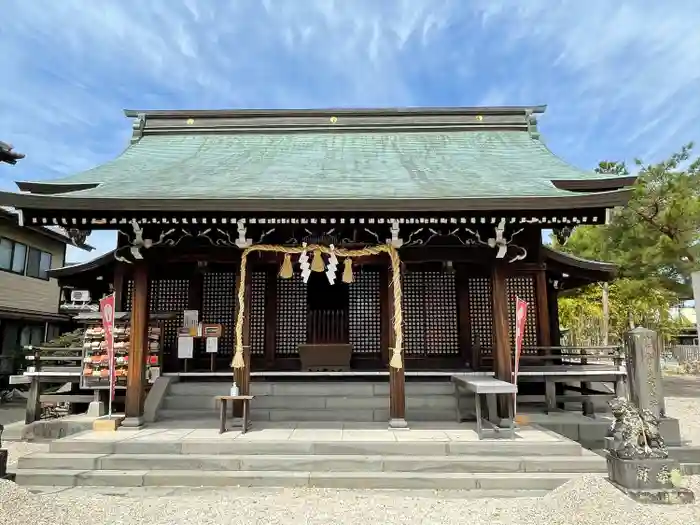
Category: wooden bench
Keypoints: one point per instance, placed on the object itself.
(246, 411)
(486, 386)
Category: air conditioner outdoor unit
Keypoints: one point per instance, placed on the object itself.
(80, 296)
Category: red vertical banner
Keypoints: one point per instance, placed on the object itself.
(107, 311)
(520, 319)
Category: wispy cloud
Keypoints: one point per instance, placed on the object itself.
(621, 78)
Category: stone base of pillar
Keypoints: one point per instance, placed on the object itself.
(648, 480)
(133, 422)
(671, 431)
(96, 409)
(398, 424)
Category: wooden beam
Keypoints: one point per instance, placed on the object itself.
(397, 378)
(135, 379)
(501, 340)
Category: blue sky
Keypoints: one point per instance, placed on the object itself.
(621, 78)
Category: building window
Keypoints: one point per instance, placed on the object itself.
(13, 256)
(38, 264)
(17, 258)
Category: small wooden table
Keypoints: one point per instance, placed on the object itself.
(246, 411)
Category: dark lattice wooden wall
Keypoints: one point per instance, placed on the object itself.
(219, 306)
(430, 313)
(257, 312)
(480, 313)
(481, 310)
(523, 287)
(365, 317)
(413, 306)
(165, 295)
(441, 320)
(291, 314)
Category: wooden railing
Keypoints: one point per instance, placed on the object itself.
(50, 365)
(327, 327)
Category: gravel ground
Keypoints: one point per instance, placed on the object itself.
(589, 500)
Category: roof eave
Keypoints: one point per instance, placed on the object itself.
(583, 200)
(74, 269)
(47, 232)
(594, 185)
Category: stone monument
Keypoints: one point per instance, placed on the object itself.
(645, 380)
(638, 462)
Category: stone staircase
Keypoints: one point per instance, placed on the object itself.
(314, 401)
(525, 466)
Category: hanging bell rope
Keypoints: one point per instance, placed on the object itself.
(396, 357)
(347, 271)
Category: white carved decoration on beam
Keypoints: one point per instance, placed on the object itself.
(138, 243)
(395, 240)
(498, 241)
(242, 242)
(332, 266)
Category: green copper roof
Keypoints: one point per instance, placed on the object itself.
(329, 165)
(392, 158)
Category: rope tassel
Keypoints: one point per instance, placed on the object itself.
(347, 271)
(317, 265)
(287, 270)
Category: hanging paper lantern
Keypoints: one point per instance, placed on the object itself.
(347, 271)
(287, 270)
(317, 264)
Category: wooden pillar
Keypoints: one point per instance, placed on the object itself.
(397, 378)
(118, 286)
(138, 349)
(195, 300)
(553, 304)
(544, 336)
(502, 362)
(242, 375)
(463, 324)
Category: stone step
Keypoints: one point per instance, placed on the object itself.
(315, 463)
(427, 493)
(364, 480)
(685, 454)
(495, 447)
(312, 388)
(203, 402)
(691, 469)
(314, 414)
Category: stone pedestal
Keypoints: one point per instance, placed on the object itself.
(670, 429)
(644, 376)
(96, 409)
(649, 480)
(3, 464)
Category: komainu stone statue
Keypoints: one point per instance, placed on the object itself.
(635, 433)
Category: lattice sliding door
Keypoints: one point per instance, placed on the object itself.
(481, 314)
(165, 295)
(430, 313)
(441, 318)
(292, 310)
(413, 306)
(523, 287)
(257, 312)
(365, 312)
(219, 306)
